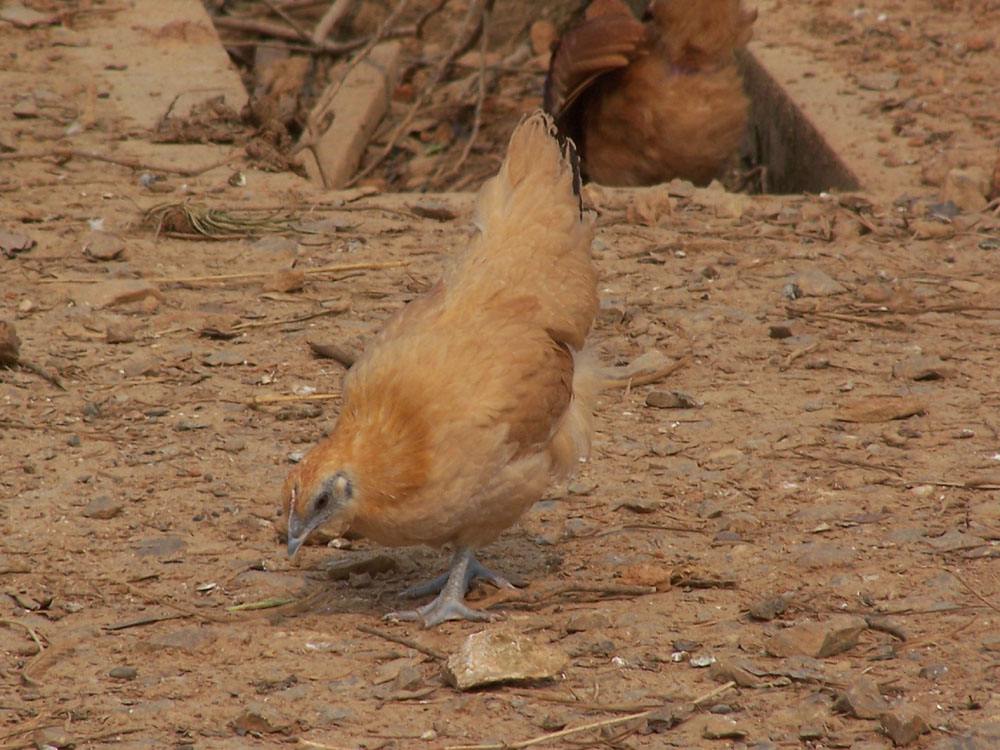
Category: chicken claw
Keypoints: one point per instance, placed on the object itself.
(449, 604)
(474, 570)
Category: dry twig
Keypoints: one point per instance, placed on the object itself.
(427, 16)
(334, 352)
(338, 268)
(625, 708)
(31, 632)
(972, 590)
(267, 28)
(283, 399)
(797, 353)
(295, 319)
(404, 641)
(543, 598)
(290, 20)
(334, 15)
(584, 727)
(477, 117)
(77, 740)
(76, 153)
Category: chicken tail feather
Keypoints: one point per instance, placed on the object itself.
(535, 238)
(541, 168)
(601, 44)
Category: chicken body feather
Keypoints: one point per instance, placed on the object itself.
(476, 395)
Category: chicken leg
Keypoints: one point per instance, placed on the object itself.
(451, 588)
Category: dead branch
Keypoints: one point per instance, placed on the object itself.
(972, 590)
(268, 28)
(334, 352)
(584, 727)
(403, 641)
(281, 399)
(427, 16)
(338, 268)
(66, 154)
(477, 117)
(334, 15)
(287, 18)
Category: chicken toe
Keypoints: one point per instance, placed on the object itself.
(449, 604)
(441, 609)
(474, 570)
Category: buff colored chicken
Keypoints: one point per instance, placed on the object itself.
(650, 101)
(476, 395)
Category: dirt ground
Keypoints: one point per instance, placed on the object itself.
(828, 448)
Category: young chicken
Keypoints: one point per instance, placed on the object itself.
(476, 395)
(648, 102)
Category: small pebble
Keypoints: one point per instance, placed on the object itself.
(934, 672)
(702, 660)
(102, 507)
(124, 673)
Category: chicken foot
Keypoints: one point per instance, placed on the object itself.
(451, 588)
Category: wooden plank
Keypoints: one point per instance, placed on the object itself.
(353, 112)
(813, 129)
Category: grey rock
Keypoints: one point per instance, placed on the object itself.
(299, 411)
(903, 725)
(768, 609)
(160, 546)
(583, 621)
(261, 718)
(671, 400)
(103, 246)
(813, 282)
(102, 507)
(862, 700)
(934, 672)
(818, 639)
(140, 363)
(333, 714)
(722, 728)
(224, 358)
(878, 81)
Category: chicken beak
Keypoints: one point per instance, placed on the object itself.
(297, 533)
(294, 542)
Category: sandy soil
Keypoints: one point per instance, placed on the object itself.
(835, 443)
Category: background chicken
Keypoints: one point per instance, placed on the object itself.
(648, 102)
(475, 396)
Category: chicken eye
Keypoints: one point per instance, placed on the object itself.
(322, 501)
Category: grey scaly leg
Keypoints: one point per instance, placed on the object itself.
(449, 604)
